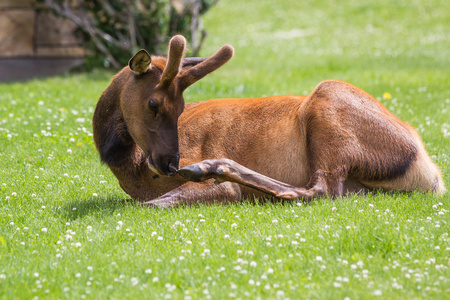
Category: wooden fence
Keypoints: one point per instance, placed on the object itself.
(25, 32)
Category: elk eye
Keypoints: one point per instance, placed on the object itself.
(153, 105)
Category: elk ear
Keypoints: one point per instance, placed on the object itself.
(210, 64)
(140, 62)
(189, 62)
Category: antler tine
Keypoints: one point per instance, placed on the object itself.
(177, 46)
(212, 63)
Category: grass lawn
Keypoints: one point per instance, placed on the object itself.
(63, 236)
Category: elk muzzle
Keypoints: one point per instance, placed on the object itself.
(167, 165)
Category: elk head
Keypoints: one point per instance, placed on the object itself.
(152, 99)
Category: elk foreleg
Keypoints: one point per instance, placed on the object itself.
(222, 170)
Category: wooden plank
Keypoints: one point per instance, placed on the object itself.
(54, 51)
(16, 33)
(53, 30)
(15, 3)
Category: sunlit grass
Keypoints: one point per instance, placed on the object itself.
(63, 235)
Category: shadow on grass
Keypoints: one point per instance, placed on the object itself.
(107, 206)
(98, 207)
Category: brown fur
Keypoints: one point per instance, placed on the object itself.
(338, 139)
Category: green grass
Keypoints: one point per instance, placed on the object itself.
(60, 232)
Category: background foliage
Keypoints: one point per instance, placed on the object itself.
(113, 31)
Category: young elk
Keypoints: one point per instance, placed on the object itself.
(334, 141)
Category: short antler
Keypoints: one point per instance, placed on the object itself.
(176, 52)
(209, 65)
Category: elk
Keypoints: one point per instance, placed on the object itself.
(334, 141)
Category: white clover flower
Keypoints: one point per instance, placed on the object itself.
(134, 281)
(270, 271)
(253, 263)
(377, 293)
(44, 229)
(90, 268)
(160, 238)
(274, 221)
(234, 225)
(148, 271)
(319, 258)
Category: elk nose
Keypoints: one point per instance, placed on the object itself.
(172, 169)
(173, 165)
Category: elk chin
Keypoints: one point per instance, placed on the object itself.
(152, 167)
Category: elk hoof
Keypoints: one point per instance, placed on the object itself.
(192, 173)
